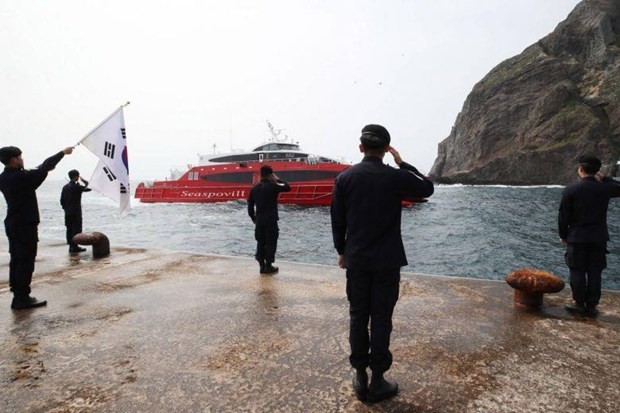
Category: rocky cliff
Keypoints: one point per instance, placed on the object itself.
(533, 114)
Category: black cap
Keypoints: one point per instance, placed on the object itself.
(265, 170)
(590, 164)
(9, 152)
(73, 173)
(375, 137)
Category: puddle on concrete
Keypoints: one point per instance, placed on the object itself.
(130, 250)
(78, 399)
(114, 315)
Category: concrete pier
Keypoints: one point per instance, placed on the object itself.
(162, 331)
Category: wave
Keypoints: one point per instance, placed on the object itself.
(500, 186)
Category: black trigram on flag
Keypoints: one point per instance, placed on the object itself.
(124, 189)
(109, 174)
(123, 133)
(108, 150)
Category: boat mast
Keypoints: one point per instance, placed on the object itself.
(230, 130)
(274, 133)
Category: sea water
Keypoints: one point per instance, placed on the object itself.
(470, 231)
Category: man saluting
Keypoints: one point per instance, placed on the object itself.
(582, 224)
(366, 213)
(264, 195)
(18, 186)
(71, 202)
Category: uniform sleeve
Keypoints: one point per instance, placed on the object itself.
(339, 217)
(564, 214)
(413, 184)
(282, 186)
(614, 186)
(35, 177)
(63, 197)
(251, 203)
(85, 188)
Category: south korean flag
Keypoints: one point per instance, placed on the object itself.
(108, 142)
(106, 182)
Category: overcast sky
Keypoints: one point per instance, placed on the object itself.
(200, 73)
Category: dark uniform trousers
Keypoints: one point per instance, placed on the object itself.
(372, 296)
(23, 250)
(73, 223)
(266, 236)
(586, 261)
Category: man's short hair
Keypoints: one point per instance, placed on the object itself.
(265, 171)
(73, 173)
(9, 152)
(590, 164)
(375, 137)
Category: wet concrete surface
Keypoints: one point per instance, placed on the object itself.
(163, 331)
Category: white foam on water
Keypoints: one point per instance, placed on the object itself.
(500, 186)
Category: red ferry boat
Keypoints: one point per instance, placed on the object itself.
(226, 177)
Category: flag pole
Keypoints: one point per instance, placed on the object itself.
(101, 123)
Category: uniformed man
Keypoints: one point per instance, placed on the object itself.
(18, 186)
(582, 223)
(366, 214)
(264, 195)
(71, 202)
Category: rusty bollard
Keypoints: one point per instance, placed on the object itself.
(530, 284)
(99, 241)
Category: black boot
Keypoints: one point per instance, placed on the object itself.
(381, 389)
(360, 384)
(270, 269)
(261, 264)
(591, 311)
(577, 308)
(22, 303)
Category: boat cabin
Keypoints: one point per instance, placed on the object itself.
(267, 152)
(277, 146)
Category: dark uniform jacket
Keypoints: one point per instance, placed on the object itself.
(583, 210)
(264, 195)
(366, 212)
(19, 186)
(71, 198)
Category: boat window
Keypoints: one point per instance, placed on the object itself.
(284, 156)
(230, 177)
(302, 176)
(235, 158)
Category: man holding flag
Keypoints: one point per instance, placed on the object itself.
(19, 186)
(111, 178)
